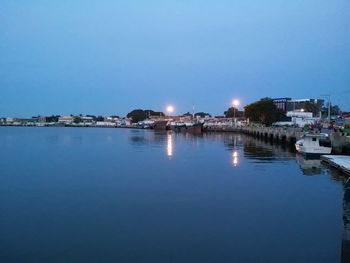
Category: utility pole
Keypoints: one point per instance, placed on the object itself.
(328, 97)
(329, 109)
(193, 111)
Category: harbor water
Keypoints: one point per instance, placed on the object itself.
(124, 195)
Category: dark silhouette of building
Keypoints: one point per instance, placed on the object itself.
(311, 105)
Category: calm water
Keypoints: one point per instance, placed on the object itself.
(119, 195)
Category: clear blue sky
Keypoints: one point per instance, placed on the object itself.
(109, 57)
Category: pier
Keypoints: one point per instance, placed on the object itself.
(340, 162)
(340, 141)
(283, 135)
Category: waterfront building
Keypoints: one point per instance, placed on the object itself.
(281, 103)
(124, 122)
(300, 118)
(304, 104)
(310, 105)
(87, 120)
(105, 124)
(41, 119)
(66, 119)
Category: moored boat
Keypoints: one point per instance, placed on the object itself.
(314, 144)
(160, 125)
(190, 127)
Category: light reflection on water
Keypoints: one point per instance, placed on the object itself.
(235, 158)
(144, 196)
(169, 145)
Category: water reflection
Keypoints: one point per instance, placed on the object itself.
(261, 151)
(138, 139)
(346, 223)
(234, 144)
(236, 210)
(345, 181)
(169, 146)
(309, 166)
(235, 158)
(156, 139)
(256, 150)
(142, 138)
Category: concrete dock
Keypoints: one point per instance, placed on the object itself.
(341, 162)
(285, 135)
(340, 142)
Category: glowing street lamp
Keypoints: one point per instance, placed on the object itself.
(235, 104)
(170, 109)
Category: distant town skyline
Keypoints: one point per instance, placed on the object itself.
(110, 57)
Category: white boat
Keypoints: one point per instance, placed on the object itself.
(315, 144)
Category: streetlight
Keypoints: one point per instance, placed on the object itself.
(170, 109)
(235, 105)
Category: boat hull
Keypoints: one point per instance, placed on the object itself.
(311, 150)
(195, 128)
(160, 125)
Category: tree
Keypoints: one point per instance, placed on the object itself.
(202, 114)
(92, 116)
(140, 115)
(52, 118)
(187, 114)
(150, 113)
(100, 118)
(137, 115)
(233, 112)
(77, 119)
(264, 111)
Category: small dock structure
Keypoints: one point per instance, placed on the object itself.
(340, 162)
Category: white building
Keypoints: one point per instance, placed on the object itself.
(105, 124)
(66, 119)
(301, 118)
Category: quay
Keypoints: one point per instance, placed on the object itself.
(283, 135)
(340, 162)
(222, 129)
(340, 141)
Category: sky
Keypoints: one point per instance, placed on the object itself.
(109, 57)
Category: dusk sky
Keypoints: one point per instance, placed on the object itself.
(109, 57)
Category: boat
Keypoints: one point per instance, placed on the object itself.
(178, 126)
(314, 144)
(195, 127)
(160, 125)
(190, 127)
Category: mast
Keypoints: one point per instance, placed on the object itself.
(193, 112)
(328, 97)
(329, 108)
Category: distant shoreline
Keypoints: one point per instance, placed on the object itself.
(73, 126)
